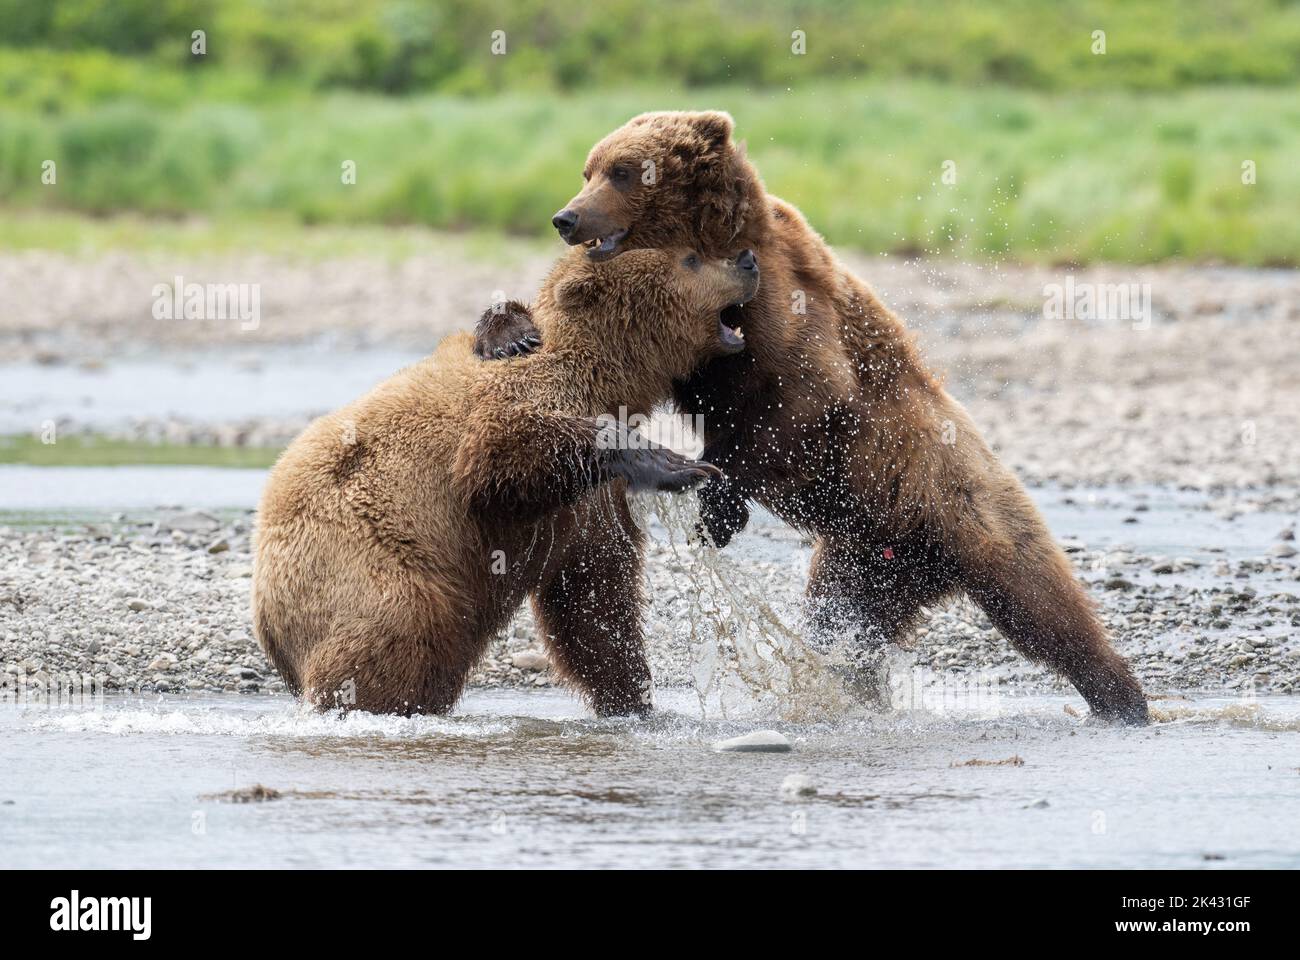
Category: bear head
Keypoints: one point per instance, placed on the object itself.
(665, 179)
(662, 310)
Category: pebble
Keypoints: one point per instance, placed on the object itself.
(798, 785)
(81, 609)
(531, 660)
(760, 741)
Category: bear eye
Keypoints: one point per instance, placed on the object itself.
(619, 174)
(692, 262)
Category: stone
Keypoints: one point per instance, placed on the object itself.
(760, 741)
(531, 660)
(798, 785)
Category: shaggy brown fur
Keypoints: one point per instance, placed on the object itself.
(831, 420)
(398, 535)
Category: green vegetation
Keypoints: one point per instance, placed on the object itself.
(1101, 175)
(101, 452)
(408, 46)
(232, 232)
(1060, 154)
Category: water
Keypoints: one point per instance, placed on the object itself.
(213, 386)
(1170, 521)
(91, 492)
(528, 779)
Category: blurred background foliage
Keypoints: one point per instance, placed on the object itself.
(1061, 154)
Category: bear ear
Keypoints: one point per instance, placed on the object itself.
(714, 125)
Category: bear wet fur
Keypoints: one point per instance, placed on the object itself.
(397, 536)
(831, 420)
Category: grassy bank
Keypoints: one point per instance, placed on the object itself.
(101, 452)
(66, 52)
(236, 233)
(1105, 175)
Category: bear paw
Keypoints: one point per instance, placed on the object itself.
(506, 330)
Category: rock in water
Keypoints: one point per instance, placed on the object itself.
(530, 660)
(760, 741)
(798, 785)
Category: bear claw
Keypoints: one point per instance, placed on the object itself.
(660, 469)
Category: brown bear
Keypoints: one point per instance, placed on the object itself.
(396, 536)
(830, 419)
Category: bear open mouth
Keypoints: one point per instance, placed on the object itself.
(602, 248)
(730, 334)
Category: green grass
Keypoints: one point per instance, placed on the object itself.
(100, 452)
(232, 232)
(70, 52)
(1106, 175)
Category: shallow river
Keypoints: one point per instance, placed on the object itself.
(527, 778)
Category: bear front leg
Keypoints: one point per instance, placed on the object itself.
(506, 330)
(627, 455)
(589, 613)
(524, 467)
(724, 510)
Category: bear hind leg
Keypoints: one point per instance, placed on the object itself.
(589, 614)
(382, 674)
(1029, 592)
(861, 598)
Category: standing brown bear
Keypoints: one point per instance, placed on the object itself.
(830, 420)
(398, 535)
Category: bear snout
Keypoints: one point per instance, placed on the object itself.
(565, 222)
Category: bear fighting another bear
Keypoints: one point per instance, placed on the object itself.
(398, 535)
(830, 419)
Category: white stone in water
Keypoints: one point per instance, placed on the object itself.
(530, 660)
(798, 785)
(760, 741)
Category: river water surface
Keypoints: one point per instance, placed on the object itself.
(528, 779)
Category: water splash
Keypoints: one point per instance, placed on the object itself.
(749, 656)
(290, 721)
(1242, 713)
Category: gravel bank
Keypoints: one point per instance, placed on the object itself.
(160, 603)
(1207, 398)
(1203, 402)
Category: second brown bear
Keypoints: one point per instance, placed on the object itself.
(831, 420)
